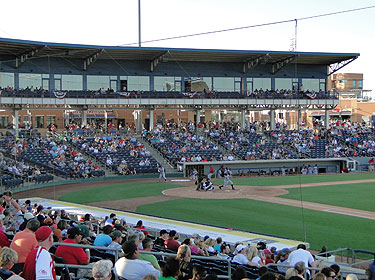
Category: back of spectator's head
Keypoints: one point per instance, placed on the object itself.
(336, 268)
(301, 246)
(351, 277)
(8, 257)
(107, 229)
(87, 217)
(211, 276)
(268, 276)
(85, 230)
(162, 232)
(199, 272)
(137, 237)
(33, 225)
(239, 273)
(112, 215)
(73, 232)
(183, 252)
(328, 272)
(171, 268)
(223, 247)
(172, 233)
(219, 240)
(262, 270)
(149, 276)
(62, 224)
(147, 242)
(290, 272)
(300, 267)
(319, 276)
(139, 223)
(129, 248)
(102, 270)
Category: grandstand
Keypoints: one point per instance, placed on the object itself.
(102, 112)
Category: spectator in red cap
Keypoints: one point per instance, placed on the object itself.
(268, 255)
(39, 263)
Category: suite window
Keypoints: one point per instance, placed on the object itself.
(51, 120)
(4, 121)
(98, 82)
(283, 83)
(261, 83)
(6, 80)
(30, 80)
(139, 83)
(72, 82)
(310, 84)
(224, 84)
(167, 84)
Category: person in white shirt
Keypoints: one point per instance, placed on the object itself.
(301, 255)
(240, 257)
(130, 267)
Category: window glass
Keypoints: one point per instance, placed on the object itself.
(283, 83)
(30, 80)
(138, 83)
(27, 119)
(360, 84)
(39, 121)
(223, 84)
(4, 121)
(354, 83)
(261, 83)
(165, 83)
(51, 120)
(6, 80)
(72, 82)
(310, 84)
(97, 82)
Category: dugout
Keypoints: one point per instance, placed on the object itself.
(267, 167)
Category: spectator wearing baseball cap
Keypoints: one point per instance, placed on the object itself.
(73, 255)
(39, 263)
(104, 238)
(117, 237)
(23, 243)
(130, 267)
(268, 256)
(240, 257)
(26, 217)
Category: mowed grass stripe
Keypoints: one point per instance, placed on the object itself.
(357, 196)
(117, 191)
(334, 230)
(293, 180)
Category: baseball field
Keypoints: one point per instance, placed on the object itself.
(334, 210)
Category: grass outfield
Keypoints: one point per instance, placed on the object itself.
(117, 191)
(357, 196)
(293, 180)
(334, 230)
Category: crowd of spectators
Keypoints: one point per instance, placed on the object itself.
(31, 228)
(183, 144)
(123, 154)
(50, 154)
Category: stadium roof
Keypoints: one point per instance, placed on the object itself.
(19, 48)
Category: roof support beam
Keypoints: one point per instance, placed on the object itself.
(337, 66)
(156, 61)
(21, 59)
(276, 67)
(250, 64)
(91, 59)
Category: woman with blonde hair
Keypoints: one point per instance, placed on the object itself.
(8, 258)
(252, 256)
(209, 243)
(199, 247)
(184, 257)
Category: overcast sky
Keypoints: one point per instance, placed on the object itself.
(115, 22)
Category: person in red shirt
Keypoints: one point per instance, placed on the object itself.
(171, 243)
(73, 255)
(39, 263)
(140, 226)
(268, 256)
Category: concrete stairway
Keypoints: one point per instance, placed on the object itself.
(155, 153)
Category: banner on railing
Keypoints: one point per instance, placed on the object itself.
(124, 94)
(60, 94)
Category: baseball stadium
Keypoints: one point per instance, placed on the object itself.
(207, 144)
